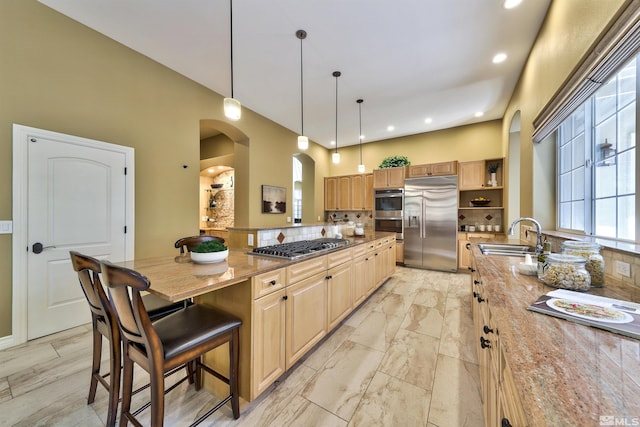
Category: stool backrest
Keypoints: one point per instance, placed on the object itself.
(124, 286)
(191, 242)
(88, 269)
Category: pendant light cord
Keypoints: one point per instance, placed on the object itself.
(336, 74)
(359, 101)
(301, 91)
(231, 37)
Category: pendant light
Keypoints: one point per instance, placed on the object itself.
(361, 165)
(335, 157)
(303, 141)
(232, 107)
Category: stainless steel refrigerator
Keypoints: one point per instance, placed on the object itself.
(431, 223)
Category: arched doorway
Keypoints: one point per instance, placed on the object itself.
(224, 176)
(303, 185)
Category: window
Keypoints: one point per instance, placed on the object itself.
(596, 152)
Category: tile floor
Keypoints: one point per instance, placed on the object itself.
(404, 358)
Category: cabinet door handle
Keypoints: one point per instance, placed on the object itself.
(475, 294)
(485, 343)
(476, 282)
(329, 277)
(468, 246)
(487, 330)
(480, 299)
(285, 297)
(505, 423)
(471, 269)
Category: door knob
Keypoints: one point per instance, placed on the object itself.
(38, 248)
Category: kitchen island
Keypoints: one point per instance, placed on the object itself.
(286, 306)
(539, 370)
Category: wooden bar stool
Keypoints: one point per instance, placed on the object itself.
(159, 347)
(188, 244)
(105, 325)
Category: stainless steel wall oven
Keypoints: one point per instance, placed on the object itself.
(388, 214)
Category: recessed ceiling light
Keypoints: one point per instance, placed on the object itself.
(479, 114)
(500, 57)
(428, 120)
(391, 128)
(510, 4)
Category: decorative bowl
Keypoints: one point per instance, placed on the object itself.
(209, 257)
(477, 203)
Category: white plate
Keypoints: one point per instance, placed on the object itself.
(619, 316)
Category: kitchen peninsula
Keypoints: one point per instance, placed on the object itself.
(286, 306)
(538, 370)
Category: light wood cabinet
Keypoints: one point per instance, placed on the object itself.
(268, 361)
(306, 316)
(330, 193)
(500, 399)
(471, 175)
(344, 193)
(339, 296)
(433, 169)
(389, 177)
(348, 192)
(399, 252)
(362, 192)
(360, 283)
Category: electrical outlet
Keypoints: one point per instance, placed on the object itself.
(318, 217)
(623, 268)
(288, 219)
(250, 239)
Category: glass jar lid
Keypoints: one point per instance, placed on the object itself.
(591, 246)
(565, 259)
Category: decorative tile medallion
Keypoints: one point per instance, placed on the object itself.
(281, 237)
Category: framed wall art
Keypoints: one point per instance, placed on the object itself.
(274, 199)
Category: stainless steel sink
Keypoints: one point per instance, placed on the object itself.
(505, 249)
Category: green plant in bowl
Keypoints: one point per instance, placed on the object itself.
(210, 246)
(394, 162)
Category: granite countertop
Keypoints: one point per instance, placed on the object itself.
(567, 374)
(176, 278)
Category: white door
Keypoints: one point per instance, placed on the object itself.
(76, 201)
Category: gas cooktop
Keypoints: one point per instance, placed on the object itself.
(300, 249)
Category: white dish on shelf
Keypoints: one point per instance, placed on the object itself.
(209, 257)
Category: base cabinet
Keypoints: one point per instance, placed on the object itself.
(306, 318)
(339, 294)
(268, 362)
(500, 400)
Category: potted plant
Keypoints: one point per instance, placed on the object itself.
(493, 168)
(394, 162)
(209, 252)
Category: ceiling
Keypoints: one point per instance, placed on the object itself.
(408, 59)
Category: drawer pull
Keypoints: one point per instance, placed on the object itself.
(505, 423)
(487, 330)
(485, 343)
(476, 282)
(273, 282)
(480, 299)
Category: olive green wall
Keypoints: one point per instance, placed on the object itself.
(464, 143)
(570, 30)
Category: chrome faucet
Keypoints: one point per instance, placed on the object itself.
(538, 231)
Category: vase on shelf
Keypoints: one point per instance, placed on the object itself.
(493, 182)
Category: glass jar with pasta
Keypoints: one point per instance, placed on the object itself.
(565, 272)
(591, 252)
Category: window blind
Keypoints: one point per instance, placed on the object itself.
(617, 45)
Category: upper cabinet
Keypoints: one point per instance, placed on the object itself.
(348, 192)
(433, 169)
(476, 175)
(389, 177)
